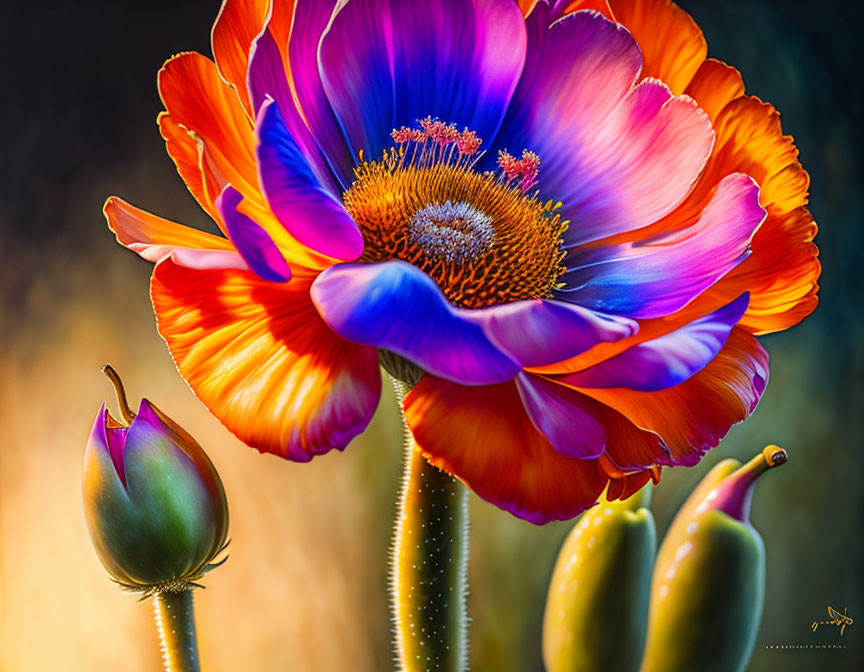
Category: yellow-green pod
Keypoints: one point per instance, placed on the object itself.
(597, 606)
(709, 580)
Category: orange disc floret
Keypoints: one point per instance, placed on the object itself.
(480, 238)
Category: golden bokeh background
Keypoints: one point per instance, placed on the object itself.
(305, 586)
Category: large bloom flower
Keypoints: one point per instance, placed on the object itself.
(582, 296)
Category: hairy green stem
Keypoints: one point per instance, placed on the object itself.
(429, 565)
(175, 620)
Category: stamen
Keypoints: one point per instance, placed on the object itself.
(530, 168)
(468, 143)
(527, 168)
(508, 164)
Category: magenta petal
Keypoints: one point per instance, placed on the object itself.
(618, 156)
(561, 415)
(318, 120)
(268, 79)
(109, 437)
(388, 63)
(544, 331)
(668, 360)
(251, 240)
(307, 210)
(397, 307)
(656, 277)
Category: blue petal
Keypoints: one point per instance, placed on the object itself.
(397, 307)
(306, 209)
(544, 331)
(252, 242)
(388, 63)
(666, 361)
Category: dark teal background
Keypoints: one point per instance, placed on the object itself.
(79, 102)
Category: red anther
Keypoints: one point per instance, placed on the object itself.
(509, 165)
(432, 128)
(402, 135)
(529, 168)
(438, 131)
(468, 143)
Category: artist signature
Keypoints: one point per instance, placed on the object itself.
(836, 618)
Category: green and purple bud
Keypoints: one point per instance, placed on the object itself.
(154, 504)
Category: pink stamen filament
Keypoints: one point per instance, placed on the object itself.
(436, 142)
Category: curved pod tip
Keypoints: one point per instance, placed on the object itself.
(734, 494)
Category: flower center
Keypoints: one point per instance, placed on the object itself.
(482, 237)
(451, 231)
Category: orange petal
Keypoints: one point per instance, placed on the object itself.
(483, 436)
(199, 167)
(692, 417)
(155, 238)
(623, 485)
(238, 23)
(197, 98)
(184, 151)
(783, 271)
(601, 6)
(597, 5)
(714, 85)
(672, 45)
(526, 6)
(260, 358)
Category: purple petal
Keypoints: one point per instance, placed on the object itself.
(541, 332)
(300, 203)
(666, 361)
(618, 156)
(309, 22)
(252, 242)
(397, 307)
(108, 440)
(385, 64)
(268, 79)
(659, 276)
(560, 415)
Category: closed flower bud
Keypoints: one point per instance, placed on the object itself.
(709, 579)
(597, 607)
(153, 501)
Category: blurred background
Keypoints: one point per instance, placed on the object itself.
(305, 586)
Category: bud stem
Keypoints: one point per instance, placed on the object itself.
(114, 377)
(175, 620)
(429, 565)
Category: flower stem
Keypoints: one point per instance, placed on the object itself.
(429, 565)
(175, 620)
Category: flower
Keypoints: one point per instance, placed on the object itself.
(569, 219)
(153, 501)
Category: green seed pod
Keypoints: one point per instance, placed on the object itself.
(154, 504)
(597, 607)
(709, 580)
